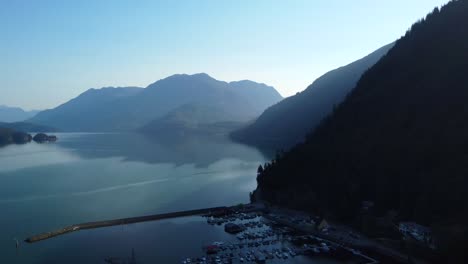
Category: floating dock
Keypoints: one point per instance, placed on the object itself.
(122, 221)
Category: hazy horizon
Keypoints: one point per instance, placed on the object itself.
(53, 51)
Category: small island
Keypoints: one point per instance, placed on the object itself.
(41, 138)
(11, 136)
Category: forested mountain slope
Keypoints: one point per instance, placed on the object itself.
(399, 139)
(288, 122)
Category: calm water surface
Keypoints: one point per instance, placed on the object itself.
(89, 177)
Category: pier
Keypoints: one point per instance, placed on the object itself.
(122, 221)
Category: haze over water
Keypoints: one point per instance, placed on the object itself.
(89, 177)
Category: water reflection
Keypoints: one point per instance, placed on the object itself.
(194, 149)
(89, 177)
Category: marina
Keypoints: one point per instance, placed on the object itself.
(265, 241)
(251, 235)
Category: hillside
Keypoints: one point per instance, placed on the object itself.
(399, 139)
(132, 109)
(90, 111)
(14, 114)
(288, 122)
(194, 119)
(260, 96)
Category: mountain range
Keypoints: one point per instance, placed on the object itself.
(301, 113)
(15, 114)
(186, 99)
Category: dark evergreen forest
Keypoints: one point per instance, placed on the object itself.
(399, 139)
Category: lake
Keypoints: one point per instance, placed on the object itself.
(89, 177)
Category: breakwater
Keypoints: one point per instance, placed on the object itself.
(122, 221)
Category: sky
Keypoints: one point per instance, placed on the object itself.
(51, 51)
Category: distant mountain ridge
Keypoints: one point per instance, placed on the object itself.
(287, 123)
(89, 109)
(132, 108)
(15, 114)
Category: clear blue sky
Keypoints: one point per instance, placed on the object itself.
(51, 51)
